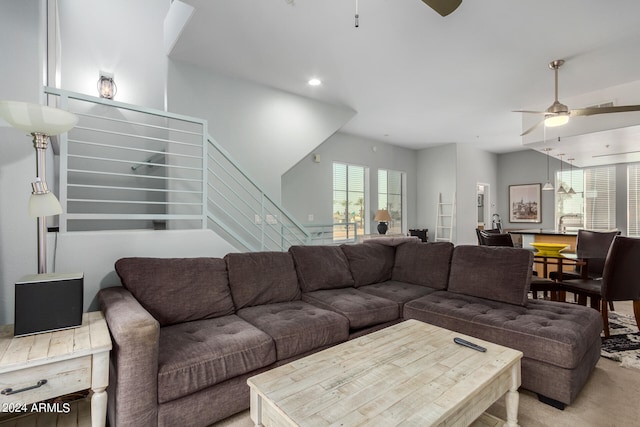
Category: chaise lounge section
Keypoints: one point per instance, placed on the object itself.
(188, 333)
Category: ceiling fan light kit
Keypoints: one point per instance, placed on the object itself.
(558, 114)
(557, 120)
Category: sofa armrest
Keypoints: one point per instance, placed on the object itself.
(133, 387)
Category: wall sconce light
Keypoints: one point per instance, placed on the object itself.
(106, 86)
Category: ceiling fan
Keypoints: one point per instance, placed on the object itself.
(443, 7)
(558, 114)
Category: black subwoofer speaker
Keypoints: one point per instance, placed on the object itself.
(48, 302)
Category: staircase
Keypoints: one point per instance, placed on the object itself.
(125, 167)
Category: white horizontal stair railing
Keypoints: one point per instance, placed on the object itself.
(126, 167)
(234, 197)
(333, 234)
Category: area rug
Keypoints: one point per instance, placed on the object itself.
(623, 345)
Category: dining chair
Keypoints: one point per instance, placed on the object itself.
(620, 280)
(481, 241)
(491, 238)
(591, 246)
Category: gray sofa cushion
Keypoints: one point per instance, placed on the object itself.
(176, 290)
(297, 327)
(494, 272)
(425, 264)
(399, 292)
(554, 333)
(362, 309)
(257, 278)
(369, 263)
(197, 355)
(321, 267)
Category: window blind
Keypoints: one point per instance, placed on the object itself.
(600, 198)
(390, 197)
(593, 206)
(633, 200)
(348, 199)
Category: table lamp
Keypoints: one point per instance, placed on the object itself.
(383, 218)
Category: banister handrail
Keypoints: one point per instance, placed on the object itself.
(103, 192)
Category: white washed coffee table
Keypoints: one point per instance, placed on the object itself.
(411, 373)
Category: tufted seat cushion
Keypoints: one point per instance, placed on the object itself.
(362, 309)
(297, 327)
(399, 292)
(557, 334)
(195, 355)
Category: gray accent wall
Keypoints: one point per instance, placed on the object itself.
(530, 167)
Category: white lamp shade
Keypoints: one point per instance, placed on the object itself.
(36, 118)
(45, 204)
(556, 120)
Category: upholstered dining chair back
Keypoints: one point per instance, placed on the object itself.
(481, 241)
(594, 246)
(621, 275)
(489, 238)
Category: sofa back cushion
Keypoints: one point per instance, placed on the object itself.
(425, 264)
(493, 272)
(370, 263)
(258, 278)
(321, 267)
(176, 290)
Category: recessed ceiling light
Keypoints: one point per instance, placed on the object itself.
(314, 82)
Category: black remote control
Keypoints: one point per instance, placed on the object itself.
(468, 344)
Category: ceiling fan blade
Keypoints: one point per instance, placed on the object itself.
(443, 7)
(546, 113)
(532, 128)
(604, 110)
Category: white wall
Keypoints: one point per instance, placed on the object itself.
(449, 169)
(474, 166)
(307, 187)
(122, 37)
(22, 49)
(437, 169)
(264, 129)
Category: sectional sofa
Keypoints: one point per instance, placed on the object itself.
(187, 333)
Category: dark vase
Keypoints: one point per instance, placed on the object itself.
(382, 227)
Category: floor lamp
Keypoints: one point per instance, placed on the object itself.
(41, 122)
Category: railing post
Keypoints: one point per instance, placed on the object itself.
(64, 165)
(205, 172)
(262, 221)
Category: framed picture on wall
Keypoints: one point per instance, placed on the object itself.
(524, 203)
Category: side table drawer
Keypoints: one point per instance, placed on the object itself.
(62, 377)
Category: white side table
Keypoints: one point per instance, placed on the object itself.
(43, 366)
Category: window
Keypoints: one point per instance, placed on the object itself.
(593, 206)
(390, 197)
(633, 200)
(348, 201)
